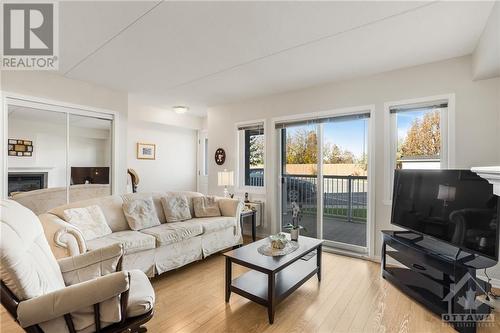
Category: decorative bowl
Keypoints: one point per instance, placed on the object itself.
(278, 241)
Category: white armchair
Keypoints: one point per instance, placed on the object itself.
(85, 293)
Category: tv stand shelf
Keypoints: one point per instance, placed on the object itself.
(438, 275)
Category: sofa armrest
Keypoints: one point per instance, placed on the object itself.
(91, 265)
(65, 239)
(232, 208)
(70, 299)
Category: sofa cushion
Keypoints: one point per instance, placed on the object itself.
(132, 241)
(189, 195)
(176, 208)
(27, 266)
(140, 213)
(141, 297)
(212, 224)
(89, 220)
(206, 207)
(156, 196)
(174, 232)
(111, 207)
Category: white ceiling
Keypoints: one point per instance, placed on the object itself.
(202, 54)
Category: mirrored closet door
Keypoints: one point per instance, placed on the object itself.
(57, 155)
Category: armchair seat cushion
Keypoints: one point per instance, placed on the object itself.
(212, 224)
(174, 232)
(141, 297)
(132, 241)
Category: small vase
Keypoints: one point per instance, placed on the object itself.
(294, 234)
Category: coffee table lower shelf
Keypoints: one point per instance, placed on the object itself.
(255, 285)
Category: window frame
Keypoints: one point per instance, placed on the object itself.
(447, 127)
(241, 172)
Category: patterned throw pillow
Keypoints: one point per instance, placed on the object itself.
(206, 207)
(89, 220)
(140, 213)
(176, 208)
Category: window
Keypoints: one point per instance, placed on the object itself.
(418, 137)
(252, 154)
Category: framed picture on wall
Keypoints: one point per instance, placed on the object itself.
(20, 148)
(146, 151)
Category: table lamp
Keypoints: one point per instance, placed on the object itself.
(225, 178)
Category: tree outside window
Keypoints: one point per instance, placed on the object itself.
(419, 139)
(254, 157)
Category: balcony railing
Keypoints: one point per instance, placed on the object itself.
(344, 197)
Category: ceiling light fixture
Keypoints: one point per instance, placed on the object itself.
(180, 109)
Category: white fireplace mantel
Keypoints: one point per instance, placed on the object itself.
(492, 174)
(30, 169)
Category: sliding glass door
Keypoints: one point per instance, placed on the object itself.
(300, 176)
(324, 172)
(345, 181)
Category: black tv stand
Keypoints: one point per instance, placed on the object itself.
(437, 275)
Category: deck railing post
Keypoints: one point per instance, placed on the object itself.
(349, 199)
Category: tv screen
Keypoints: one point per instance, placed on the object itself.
(455, 206)
(89, 175)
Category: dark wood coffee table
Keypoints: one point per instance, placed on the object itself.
(272, 279)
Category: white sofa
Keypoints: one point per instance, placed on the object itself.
(41, 201)
(153, 250)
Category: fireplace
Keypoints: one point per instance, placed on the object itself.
(26, 181)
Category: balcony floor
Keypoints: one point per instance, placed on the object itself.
(335, 229)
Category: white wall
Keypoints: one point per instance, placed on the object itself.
(47, 85)
(175, 137)
(477, 121)
(175, 164)
(486, 56)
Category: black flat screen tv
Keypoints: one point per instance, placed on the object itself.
(454, 206)
(89, 175)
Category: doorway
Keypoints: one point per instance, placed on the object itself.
(202, 174)
(324, 171)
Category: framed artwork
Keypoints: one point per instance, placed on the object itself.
(20, 148)
(220, 156)
(146, 151)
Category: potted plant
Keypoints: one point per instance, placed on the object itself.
(295, 227)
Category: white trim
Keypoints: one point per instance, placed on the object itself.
(201, 161)
(239, 184)
(347, 111)
(390, 138)
(276, 216)
(370, 222)
(3, 149)
(8, 98)
(58, 106)
(320, 188)
(491, 174)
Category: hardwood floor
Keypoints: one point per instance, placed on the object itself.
(352, 297)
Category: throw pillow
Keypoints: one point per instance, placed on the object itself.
(140, 213)
(176, 208)
(206, 207)
(90, 220)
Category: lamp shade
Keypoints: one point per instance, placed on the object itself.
(225, 178)
(446, 193)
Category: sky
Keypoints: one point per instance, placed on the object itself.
(350, 134)
(405, 119)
